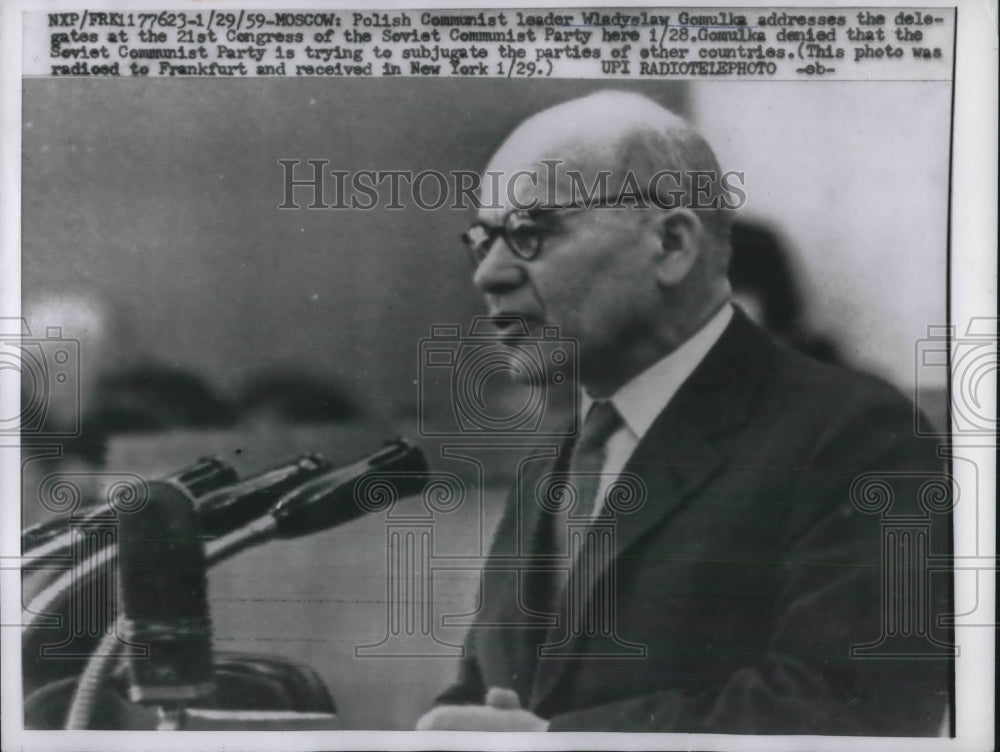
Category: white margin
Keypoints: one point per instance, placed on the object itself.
(974, 293)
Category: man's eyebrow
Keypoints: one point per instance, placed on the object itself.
(490, 216)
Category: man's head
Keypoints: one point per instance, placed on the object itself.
(608, 239)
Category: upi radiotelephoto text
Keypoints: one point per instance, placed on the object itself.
(669, 43)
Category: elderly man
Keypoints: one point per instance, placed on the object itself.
(746, 593)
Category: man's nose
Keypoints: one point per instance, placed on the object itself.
(499, 271)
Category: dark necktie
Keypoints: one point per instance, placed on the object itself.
(589, 454)
(586, 461)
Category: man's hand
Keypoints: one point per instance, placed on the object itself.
(502, 712)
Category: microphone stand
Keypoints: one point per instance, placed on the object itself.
(253, 534)
(289, 517)
(103, 658)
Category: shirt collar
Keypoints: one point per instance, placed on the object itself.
(642, 399)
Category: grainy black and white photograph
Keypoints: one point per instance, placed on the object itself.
(459, 372)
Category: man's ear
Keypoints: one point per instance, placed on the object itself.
(679, 231)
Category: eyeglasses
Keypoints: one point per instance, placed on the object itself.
(521, 230)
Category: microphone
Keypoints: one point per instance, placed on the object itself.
(204, 476)
(228, 508)
(332, 498)
(164, 602)
(199, 478)
(162, 563)
(223, 504)
(220, 512)
(399, 469)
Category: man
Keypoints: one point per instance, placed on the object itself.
(731, 598)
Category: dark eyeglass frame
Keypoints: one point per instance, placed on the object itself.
(530, 249)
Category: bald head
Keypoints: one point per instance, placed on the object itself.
(608, 144)
(586, 132)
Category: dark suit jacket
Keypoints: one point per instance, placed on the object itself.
(742, 582)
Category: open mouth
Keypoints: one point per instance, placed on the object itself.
(512, 326)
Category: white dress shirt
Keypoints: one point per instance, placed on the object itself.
(642, 399)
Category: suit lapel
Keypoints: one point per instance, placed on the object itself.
(675, 458)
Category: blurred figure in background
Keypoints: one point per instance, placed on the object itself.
(764, 286)
(283, 397)
(145, 399)
(156, 398)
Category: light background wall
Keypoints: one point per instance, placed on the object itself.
(855, 177)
